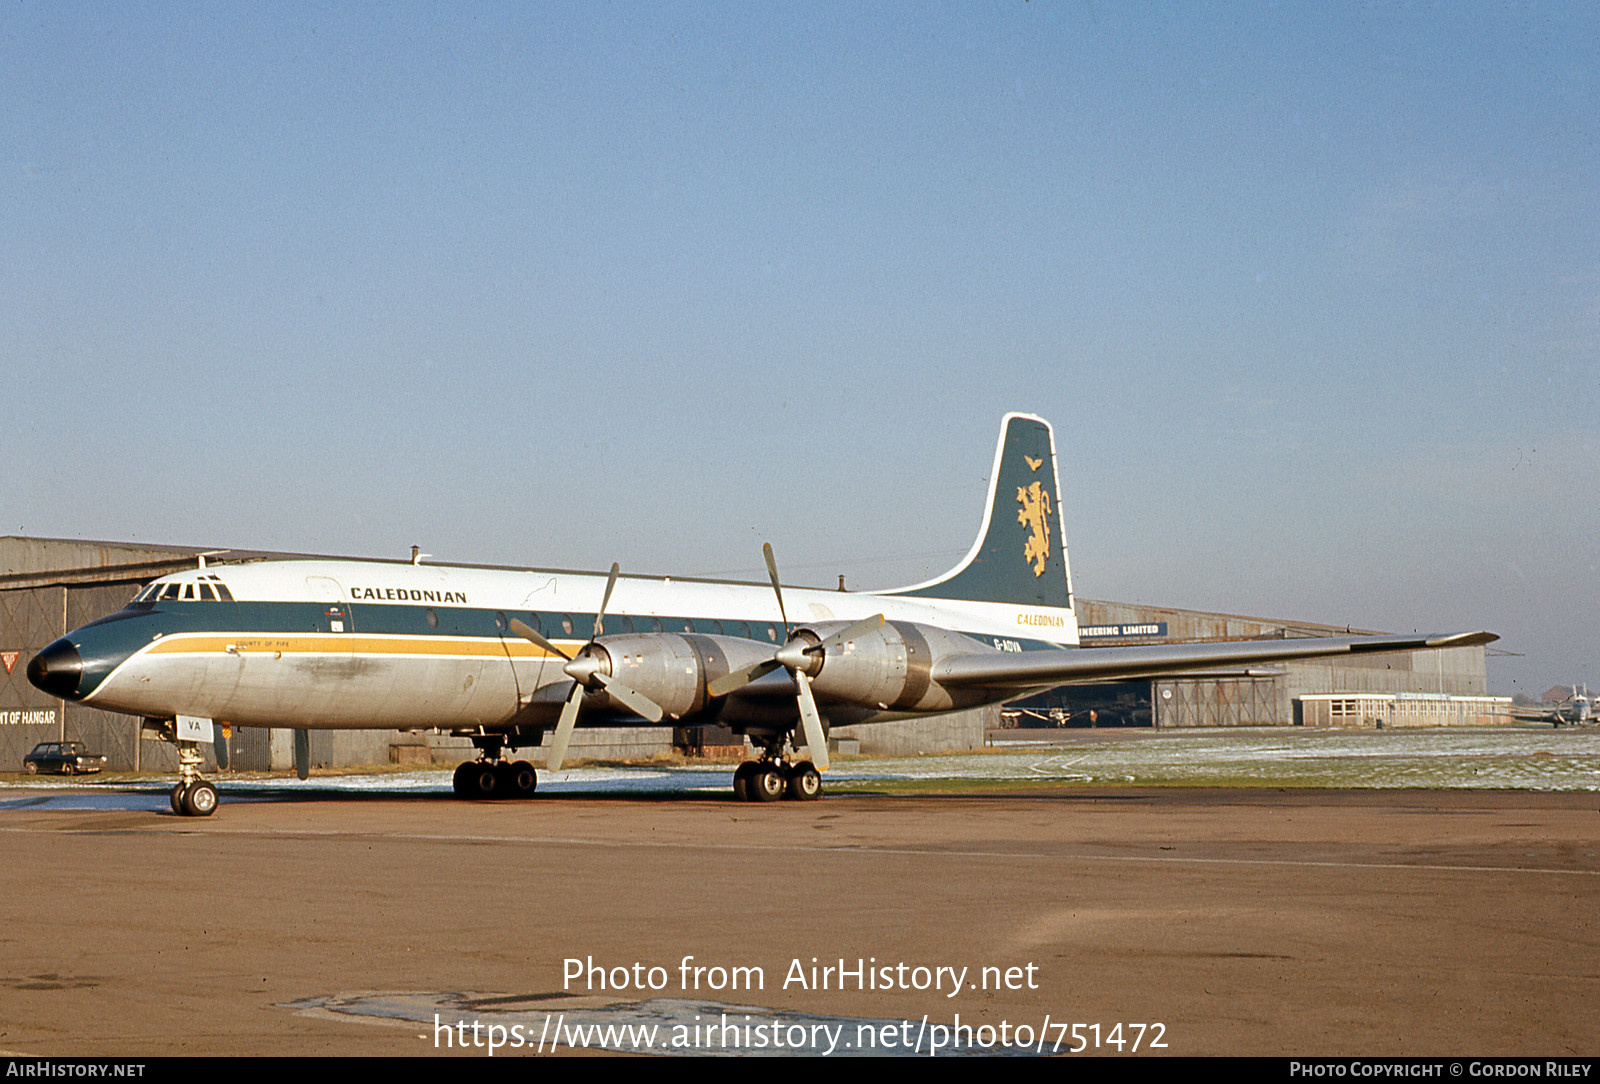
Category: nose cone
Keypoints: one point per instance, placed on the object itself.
(57, 670)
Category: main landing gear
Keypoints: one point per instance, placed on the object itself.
(769, 779)
(495, 779)
(492, 775)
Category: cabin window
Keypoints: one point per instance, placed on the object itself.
(655, 624)
(431, 617)
(566, 624)
(533, 622)
(500, 621)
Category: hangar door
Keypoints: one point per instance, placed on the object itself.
(1217, 702)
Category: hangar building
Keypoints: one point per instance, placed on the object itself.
(48, 586)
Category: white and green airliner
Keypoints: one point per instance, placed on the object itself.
(507, 656)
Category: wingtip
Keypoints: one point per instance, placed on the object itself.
(1464, 639)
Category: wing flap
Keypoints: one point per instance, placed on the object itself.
(1067, 665)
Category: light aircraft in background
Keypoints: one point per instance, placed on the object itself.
(1575, 710)
(505, 657)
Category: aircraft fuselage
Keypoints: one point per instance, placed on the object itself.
(365, 644)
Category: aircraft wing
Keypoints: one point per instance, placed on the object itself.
(1034, 668)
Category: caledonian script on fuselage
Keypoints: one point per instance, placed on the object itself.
(407, 594)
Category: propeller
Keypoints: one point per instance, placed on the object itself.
(796, 656)
(584, 670)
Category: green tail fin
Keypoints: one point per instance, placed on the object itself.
(1021, 553)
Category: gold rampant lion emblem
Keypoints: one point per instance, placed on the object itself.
(1035, 515)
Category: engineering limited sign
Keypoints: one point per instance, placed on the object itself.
(1117, 632)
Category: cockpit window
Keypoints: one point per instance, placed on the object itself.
(208, 589)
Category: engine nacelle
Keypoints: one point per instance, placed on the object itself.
(887, 669)
(672, 668)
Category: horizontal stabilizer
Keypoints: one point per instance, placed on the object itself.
(1061, 667)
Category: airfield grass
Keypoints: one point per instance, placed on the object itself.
(1497, 759)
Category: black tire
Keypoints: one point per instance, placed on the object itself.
(31, 768)
(484, 782)
(461, 782)
(804, 783)
(741, 781)
(200, 800)
(524, 780)
(767, 783)
(177, 800)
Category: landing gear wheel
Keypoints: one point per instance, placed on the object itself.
(804, 784)
(461, 782)
(741, 780)
(482, 781)
(767, 783)
(178, 793)
(200, 800)
(523, 780)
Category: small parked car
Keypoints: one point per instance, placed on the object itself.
(66, 757)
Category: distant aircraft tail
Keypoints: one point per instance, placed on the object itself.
(1020, 556)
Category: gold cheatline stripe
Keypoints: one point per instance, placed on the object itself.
(333, 644)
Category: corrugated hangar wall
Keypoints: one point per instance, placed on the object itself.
(48, 586)
(30, 618)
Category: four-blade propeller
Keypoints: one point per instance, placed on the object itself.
(584, 669)
(800, 657)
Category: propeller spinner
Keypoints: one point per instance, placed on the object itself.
(587, 674)
(800, 657)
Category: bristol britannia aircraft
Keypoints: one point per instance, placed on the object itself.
(504, 657)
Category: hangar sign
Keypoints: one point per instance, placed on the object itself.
(28, 718)
(1116, 632)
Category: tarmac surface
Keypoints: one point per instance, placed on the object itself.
(1213, 921)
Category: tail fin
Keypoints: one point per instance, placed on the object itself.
(1021, 552)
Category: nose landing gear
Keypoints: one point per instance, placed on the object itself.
(194, 796)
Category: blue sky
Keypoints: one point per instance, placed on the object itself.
(1310, 292)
